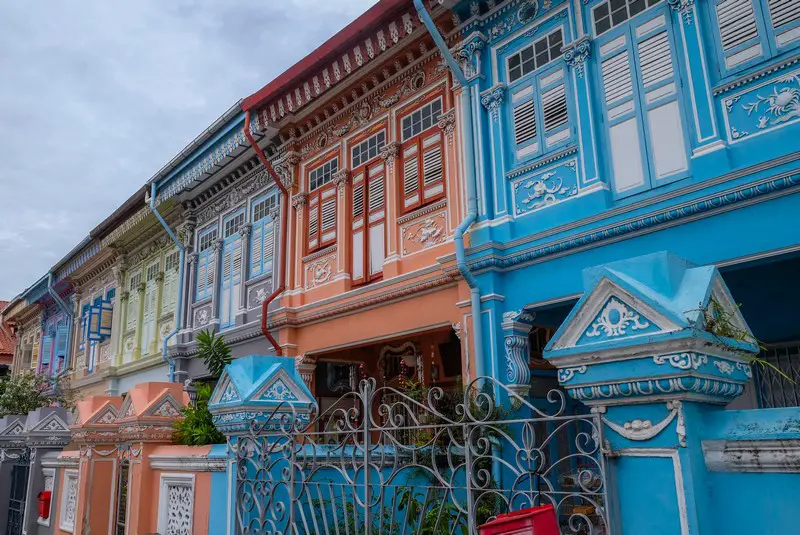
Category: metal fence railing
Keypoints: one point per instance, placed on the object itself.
(778, 385)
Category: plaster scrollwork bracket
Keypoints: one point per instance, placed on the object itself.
(447, 123)
(246, 229)
(492, 99)
(191, 259)
(299, 200)
(685, 8)
(389, 153)
(342, 178)
(682, 361)
(468, 54)
(576, 54)
(641, 430)
(517, 326)
(218, 246)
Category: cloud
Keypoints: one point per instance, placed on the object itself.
(97, 95)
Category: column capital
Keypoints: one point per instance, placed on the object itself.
(493, 98)
(576, 53)
(299, 200)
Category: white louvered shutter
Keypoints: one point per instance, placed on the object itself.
(616, 66)
(555, 113)
(659, 94)
(231, 279)
(524, 120)
(257, 249)
(377, 217)
(269, 246)
(149, 313)
(328, 216)
(132, 314)
(359, 186)
(169, 294)
(313, 223)
(411, 193)
(738, 31)
(432, 166)
(785, 18)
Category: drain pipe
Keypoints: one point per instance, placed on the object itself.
(68, 313)
(282, 229)
(472, 198)
(181, 268)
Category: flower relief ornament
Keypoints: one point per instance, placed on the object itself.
(541, 193)
(781, 106)
(615, 319)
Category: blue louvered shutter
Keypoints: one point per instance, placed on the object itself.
(47, 350)
(106, 313)
(60, 345)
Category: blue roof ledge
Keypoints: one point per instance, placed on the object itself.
(260, 393)
(639, 334)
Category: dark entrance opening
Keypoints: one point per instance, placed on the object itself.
(16, 503)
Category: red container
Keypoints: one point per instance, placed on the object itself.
(44, 504)
(534, 521)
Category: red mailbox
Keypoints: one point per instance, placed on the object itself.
(534, 521)
(44, 504)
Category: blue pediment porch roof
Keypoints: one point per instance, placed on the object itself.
(643, 300)
(261, 380)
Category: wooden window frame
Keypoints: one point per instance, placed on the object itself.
(418, 140)
(369, 218)
(316, 199)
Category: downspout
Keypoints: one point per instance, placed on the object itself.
(284, 222)
(469, 172)
(181, 268)
(68, 313)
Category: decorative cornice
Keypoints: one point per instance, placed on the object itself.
(422, 211)
(668, 216)
(753, 456)
(766, 71)
(319, 254)
(60, 462)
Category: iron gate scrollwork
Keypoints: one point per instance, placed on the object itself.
(433, 463)
(19, 489)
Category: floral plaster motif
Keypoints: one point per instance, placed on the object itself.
(424, 233)
(319, 272)
(545, 188)
(615, 319)
(765, 107)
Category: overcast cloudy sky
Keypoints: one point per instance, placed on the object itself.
(97, 95)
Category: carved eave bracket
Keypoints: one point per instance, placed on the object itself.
(492, 99)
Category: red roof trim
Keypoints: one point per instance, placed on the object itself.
(316, 58)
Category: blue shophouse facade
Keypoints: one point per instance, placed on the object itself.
(607, 130)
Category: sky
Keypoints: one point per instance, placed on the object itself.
(97, 95)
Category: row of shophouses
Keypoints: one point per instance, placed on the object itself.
(359, 213)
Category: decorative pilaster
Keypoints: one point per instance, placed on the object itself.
(245, 231)
(468, 55)
(137, 350)
(517, 326)
(215, 297)
(306, 366)
(492, 99)
(299, 202)
(576, 56)
(447, 123)
(188, 289)
(685, 8)
(389, 153)
(342, 181)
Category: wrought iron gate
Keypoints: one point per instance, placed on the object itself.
(19, 490)
(428, 462)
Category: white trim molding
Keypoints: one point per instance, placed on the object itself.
(49, 484)
(69, 494)
(676, 467)
(176, 500)
(753, 456)
(197, 463)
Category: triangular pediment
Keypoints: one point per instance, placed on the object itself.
(225, 392)
(105, 416)
(51, 424)
(280, 387)
(127, 410)
(165, 407)
(611, 312)
(14, 429)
